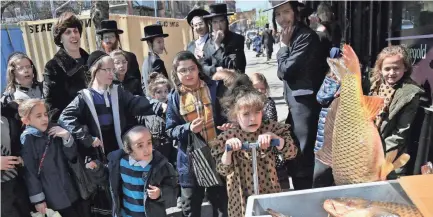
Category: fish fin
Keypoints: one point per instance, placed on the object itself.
(387, 166)
(324, 155)
(372, 105)
(401, 161)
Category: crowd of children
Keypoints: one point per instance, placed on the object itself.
(144, 143)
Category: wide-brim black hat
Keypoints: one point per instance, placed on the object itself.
(196, 13)
(109, 26)
(153, 31)
(94, 57)
(279, 3)
(218, 10)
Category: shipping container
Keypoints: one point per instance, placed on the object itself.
(39, 42)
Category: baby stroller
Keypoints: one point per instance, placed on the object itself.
(257, 45)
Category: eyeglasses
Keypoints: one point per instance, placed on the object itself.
(108, 70)
(185, 71)
(120, 62)
(24, 68)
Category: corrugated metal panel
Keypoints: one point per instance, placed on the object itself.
(39, 42)
(11, 41)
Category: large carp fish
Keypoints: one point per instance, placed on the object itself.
(352, 146)
(358, 207)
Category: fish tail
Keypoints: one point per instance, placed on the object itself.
(351, 61)
(372, 106)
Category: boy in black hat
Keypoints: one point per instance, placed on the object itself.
(228, 47)
(154, 36)
(197, 47)
(109, 34)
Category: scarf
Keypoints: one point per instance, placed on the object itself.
(195, 102)
(386, 91)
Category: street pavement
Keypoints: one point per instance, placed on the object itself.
(269, 70)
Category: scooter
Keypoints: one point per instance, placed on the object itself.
(253, 146)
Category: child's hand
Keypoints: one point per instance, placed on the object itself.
(196, 125)
(9, 162)
(153, 192)
(264, 140)
(234, 143)
(164, 107)
(41, 208)
(97, 143)
(59, 132)
(225, 126)
(91, 165)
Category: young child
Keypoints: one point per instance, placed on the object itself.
(261, 85)
(245, 106)
(22, 80)
(142, 181)
(322, 176)
(45, 152)
(159, 87)
(391, 80)
(126, 81)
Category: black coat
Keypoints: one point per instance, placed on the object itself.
(152, 63)
(302, 67)
(161, 174)
(209, 67)
(131, 84)
(54, 184)
(230, 55)
(133, 68)
(268, 40)
(63, 78)
(77, 118)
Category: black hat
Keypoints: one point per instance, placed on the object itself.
(94, 57)
(153, 31)
(109, 26)
(218, 10)
(194, 13)
(279, 3)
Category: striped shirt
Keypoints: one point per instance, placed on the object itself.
(134, 178)
(105, 115)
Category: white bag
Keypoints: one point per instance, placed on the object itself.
(49, 213)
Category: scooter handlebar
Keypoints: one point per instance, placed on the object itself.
(248, 145)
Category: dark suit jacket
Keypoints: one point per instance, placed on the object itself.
(209, 67)
(302, 65)
(152, 63)
(230, 55)
(268, 40)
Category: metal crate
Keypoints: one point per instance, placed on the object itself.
(309, 203)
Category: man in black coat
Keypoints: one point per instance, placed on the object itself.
(111, 41)
(268, 41)
(302, 67)
(227, 48)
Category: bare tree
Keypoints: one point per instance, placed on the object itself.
(4, 5)
(100, 11)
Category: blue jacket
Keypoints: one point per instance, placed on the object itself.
(179, 130)
(52, 183)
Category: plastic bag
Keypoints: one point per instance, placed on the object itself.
(49, 213)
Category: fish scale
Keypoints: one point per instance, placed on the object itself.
(352, 158)
(399, 209)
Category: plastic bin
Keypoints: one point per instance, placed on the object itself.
(309, 203)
